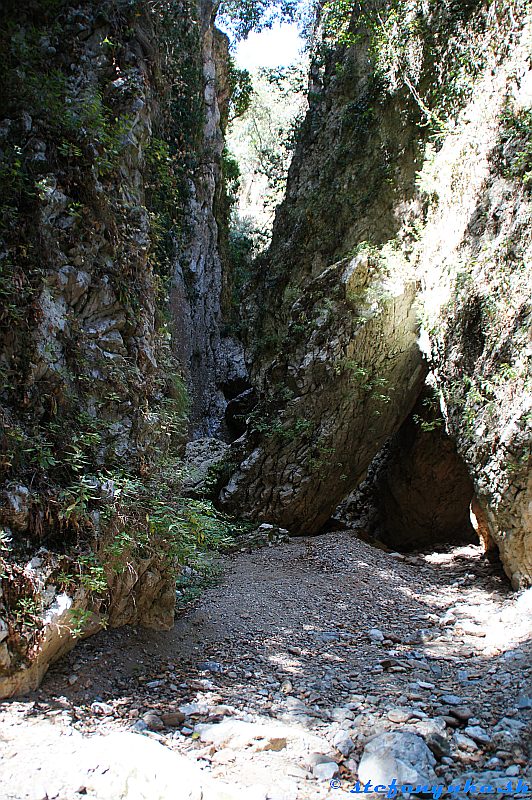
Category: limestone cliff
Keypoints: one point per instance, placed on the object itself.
(413, 166)
(110, 142)
(214, 362)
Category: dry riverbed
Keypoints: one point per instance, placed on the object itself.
(275, 682)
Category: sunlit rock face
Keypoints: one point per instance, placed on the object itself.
(474, 261)
(213, 362)
(427, 171)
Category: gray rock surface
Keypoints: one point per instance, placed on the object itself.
(403, 756)
(345, 399)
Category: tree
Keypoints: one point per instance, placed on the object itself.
(242, 17)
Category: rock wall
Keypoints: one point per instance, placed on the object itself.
(474, 259)
(416, 151)
(213, 362)
(110, 127)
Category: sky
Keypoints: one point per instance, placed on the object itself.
(278, 46)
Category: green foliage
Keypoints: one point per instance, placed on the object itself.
(430, 419)
(241, 17)
(26, 612)
(428, 427)
(76, 499)
(263, 141)
(262, 423)
(409, 42)
(92, 574)
(231, 176)
(241, 88)
(165, 196)
(240, 253)
(515, 145)
(320, 458)
(148, 520)
(79, 620)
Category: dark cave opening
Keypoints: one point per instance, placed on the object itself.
(417, 494)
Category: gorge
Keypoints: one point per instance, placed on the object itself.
(369, 371)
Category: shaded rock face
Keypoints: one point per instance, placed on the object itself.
(90, 385)
(211, 361)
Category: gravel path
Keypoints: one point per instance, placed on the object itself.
(328, 640)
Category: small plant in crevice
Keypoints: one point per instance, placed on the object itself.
(514, 150)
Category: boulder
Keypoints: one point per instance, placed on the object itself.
(403, 756)
(332, 399)
(204, 463)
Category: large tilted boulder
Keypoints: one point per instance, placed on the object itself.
(349, 374)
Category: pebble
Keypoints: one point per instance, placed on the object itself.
(101, 709)
(153, 721)
(399, 715)
(464, 742)
(478, 734)
(461, 713)
(173, 718)
(376, 635)
(343, 743)
(451, 699)
(325, 771)
(439, 745)
(211, 666)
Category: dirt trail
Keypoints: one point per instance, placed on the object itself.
(330, 641)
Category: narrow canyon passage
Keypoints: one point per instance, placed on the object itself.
(276, 677)
(265, 355)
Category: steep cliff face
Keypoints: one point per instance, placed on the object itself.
(110, 128)
(416, 158)
(477, 301)
(214, 363)
(334, 342)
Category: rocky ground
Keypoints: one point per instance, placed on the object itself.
(274, 683)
